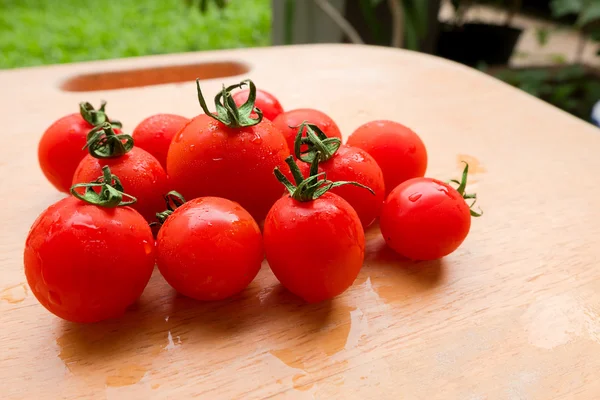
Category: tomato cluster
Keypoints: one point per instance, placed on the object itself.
(90, 255)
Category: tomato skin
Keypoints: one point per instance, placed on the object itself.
(207, 158)
(209, 249)
(265, 101)
(61, 149)
(86, 263)
(356, 165)
(398, 150)
(315, 249)
(298, 116)
(154, 134)
(140, 173)
(424, 219)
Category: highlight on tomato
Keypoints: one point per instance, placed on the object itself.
(314, 241)
(155, 133)
(399, 152)
(61, 147)
(140, 172)
(343, 163)
(89, 256)
(265, 101)
(229, 154)
(289, 121)
(426, 219)
(208, 248)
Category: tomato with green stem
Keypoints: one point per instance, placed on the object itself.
(399, 151)
(140, 172)
(265, 102)
(208, 248)
(343, 163)
(61, 147)
(89, 256)
(289, 121)
(229, 154)
(155, 133)
(426, 219)
(314, 241)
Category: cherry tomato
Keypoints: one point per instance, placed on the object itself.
(141, 174)
(61, 147)
(426, 219)
(155, 133)
(265, 101)
(209, 249)
(346, 163)
(288, 122)
(314, 242)
(216, 156)
(88, 263)
(398, 150)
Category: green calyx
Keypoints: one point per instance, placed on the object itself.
(317, 142)
(228, 113)
(312, 187)
(111, 192)
(462, 185)
(103, 142)
(96, 117)
(173, 200)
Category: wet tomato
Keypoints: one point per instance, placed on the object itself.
(265, 101)
(141, 174)
(426, 219)
(61, 147)
(230, 155)
(209, 248)
(289, 121)
(155, 133)
(86, 262)
(398, 150)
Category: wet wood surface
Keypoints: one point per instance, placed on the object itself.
(512, 314)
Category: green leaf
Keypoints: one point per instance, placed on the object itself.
(589, 14)
(560, 8)
(542, 35)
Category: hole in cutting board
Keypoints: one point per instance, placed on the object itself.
(152, 76)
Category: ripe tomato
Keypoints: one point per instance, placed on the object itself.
(141, 174)
(398, 150)
(154, 134)
(229, 155)
(265, 101)
(209, 248)
(289, 121)
(346, 163)
(86, 262)
(61, 147)
(425, 219)
(314, 241)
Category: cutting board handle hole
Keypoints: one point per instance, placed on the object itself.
(114, 80)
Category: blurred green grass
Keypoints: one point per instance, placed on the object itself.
(37, 32)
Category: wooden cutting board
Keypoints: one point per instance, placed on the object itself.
(514, 313)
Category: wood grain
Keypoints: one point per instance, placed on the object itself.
(513, 314)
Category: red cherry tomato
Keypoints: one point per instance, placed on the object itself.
(265, 101)
(155, 133)
(61, 147)
(354, 164)
(141, 174)
(212, 158)
(209, 249)
(294, 118)
(86, 263)
(315, 248)
(425, 219)
(398, 150)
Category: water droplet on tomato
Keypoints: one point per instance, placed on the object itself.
(147, 247)
(192, 147)
(414, 197)
(54, 298)
(256, 139)
(210, 224)
(217, 159)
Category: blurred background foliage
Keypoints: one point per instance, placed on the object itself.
(36, 32)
